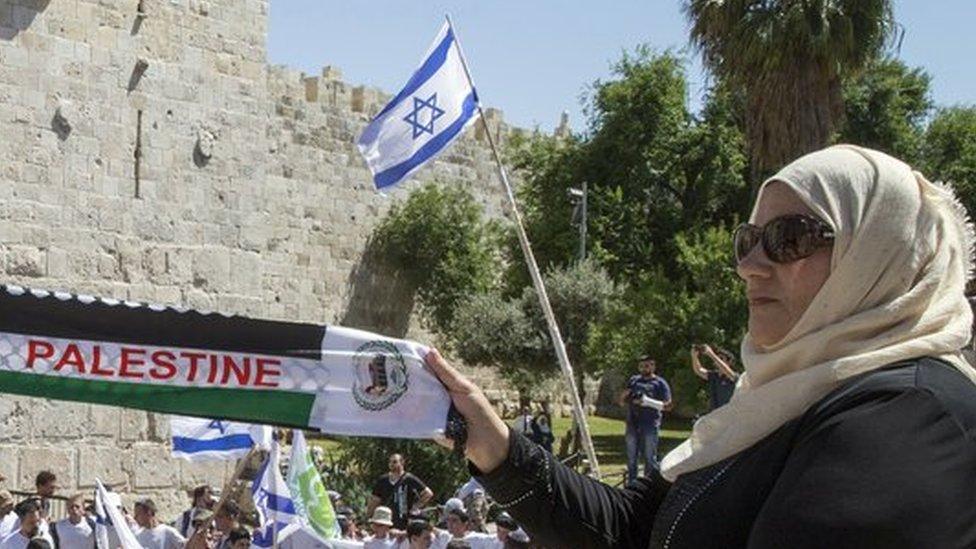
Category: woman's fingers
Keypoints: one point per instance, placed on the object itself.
(453, 379)
(487, 442)
(445, 442)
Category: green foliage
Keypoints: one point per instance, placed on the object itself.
(439, 469)
(664, 316)
(490, 330)
(659, 178)
(512, 335)
(550, 166)
(885, 108)
(337, 475)
(652, 168)
(580, 295)
(440, 242)
(949, 152)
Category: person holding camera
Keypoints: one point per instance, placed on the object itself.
(647, 395)
(721, 379)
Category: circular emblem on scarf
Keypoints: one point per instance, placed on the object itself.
(381, 375)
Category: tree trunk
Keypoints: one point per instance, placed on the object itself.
(791, 114)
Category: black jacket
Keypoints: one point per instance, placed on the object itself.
(886, 460)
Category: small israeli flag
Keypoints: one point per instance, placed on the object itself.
(273, 502)
(199, 439)
(428, 114)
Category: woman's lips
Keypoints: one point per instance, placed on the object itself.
(759, 301)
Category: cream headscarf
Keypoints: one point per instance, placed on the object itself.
(900, 261)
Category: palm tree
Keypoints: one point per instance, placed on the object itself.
(787, 59)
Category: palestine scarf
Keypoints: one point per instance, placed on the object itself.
(120, 353)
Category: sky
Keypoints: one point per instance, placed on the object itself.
(534, 59)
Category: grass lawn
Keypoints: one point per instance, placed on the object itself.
(608, 441)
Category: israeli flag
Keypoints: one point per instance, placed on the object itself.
(428, 114)
(198, 439)
(273, 501)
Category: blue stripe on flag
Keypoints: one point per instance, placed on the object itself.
(265, 537)
(281, 504)
(431, 65)
(229, 442)
(396, 173)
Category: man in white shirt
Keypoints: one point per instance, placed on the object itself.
(77, 531)
(457, 525)
(154, 534)
(8, 519)
(421, 535)
(29, 513)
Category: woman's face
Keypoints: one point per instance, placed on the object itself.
(779, 293)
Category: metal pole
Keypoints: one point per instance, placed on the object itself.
(582, 229)
(540, 287)
(228, 486)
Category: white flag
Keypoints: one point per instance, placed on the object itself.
(109, 516)
(428, 114)
(199, 439)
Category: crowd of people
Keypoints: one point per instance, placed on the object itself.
(398, 515)
(30, 523)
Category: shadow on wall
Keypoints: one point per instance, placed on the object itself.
(17, 17)
(381, 297)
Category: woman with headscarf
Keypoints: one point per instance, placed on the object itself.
(854, 424)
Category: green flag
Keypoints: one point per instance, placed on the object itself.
(307, 491)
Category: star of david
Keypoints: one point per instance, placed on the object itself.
(217, 424)
(415, 119)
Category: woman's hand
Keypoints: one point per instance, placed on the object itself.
(487, 445)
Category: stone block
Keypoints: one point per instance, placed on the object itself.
(25, 261)
(153, 467)
(60, 461)
(158, 428)
(14, 418)
(104, 421)
(9, 460)
(195, 474)
(134, 425)
(106, 463)
(332, 73)
(57, 420)
(57, 263)
(211, 268)
(311, 89)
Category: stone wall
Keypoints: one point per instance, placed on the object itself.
(150, 153)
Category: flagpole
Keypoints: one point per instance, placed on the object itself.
(225, 493)
(540, 288)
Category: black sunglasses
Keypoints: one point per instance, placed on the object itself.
(784, 239)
